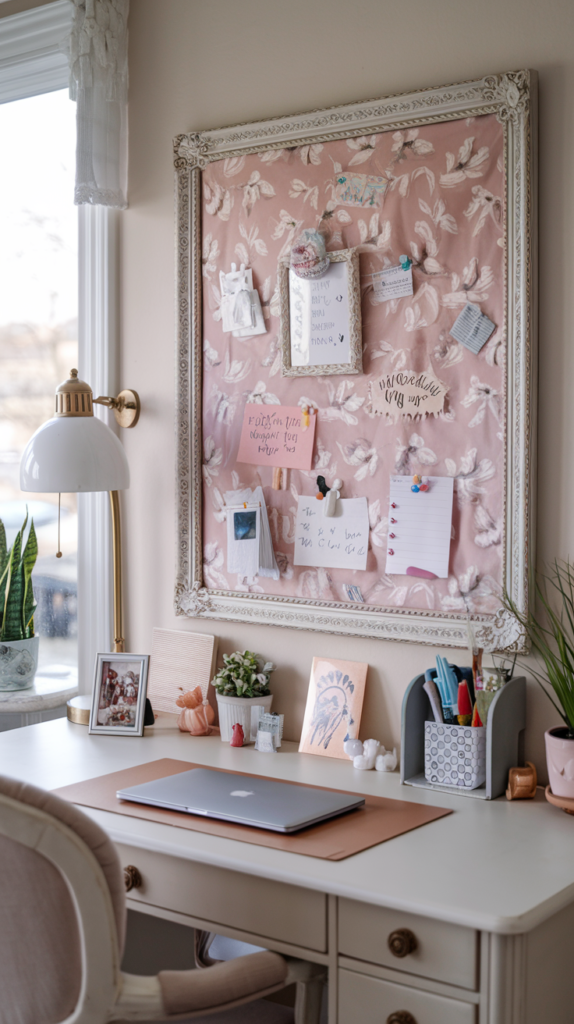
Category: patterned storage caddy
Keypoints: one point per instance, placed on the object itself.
(455, 755)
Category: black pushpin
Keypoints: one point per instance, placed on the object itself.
(323, 489)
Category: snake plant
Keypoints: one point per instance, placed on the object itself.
(17, 601)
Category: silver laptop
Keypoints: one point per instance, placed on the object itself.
(243, 799)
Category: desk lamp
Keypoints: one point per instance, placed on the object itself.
(75, 452)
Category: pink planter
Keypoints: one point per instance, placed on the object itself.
(560, 761)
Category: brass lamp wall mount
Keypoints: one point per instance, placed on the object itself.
(75, 398)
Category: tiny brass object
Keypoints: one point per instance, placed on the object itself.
(522, 783)
(132, 878)
(401, 1017)
(402, 942)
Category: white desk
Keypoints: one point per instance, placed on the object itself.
(488, 891)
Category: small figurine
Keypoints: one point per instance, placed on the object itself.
(387, 760)
(197, 715)
(370, 754)
(237, 735)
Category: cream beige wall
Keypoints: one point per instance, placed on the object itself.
(197, 65)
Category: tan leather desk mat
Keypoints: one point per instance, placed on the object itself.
(380, 819)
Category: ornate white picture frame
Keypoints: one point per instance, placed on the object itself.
(511, 97)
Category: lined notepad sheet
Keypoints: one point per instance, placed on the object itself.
(422, 528)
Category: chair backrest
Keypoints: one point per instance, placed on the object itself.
(62, 911)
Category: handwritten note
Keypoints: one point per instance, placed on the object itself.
(364, 190)
(407, 393)
(333, 542)
(421, 524)
(392, 283)
(273, 435)
(319, 317)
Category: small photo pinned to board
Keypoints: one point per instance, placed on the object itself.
(334, 706)
(245, 525)
(118, 702)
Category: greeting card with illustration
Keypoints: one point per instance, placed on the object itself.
(334, 706)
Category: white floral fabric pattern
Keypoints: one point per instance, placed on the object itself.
(444, 208)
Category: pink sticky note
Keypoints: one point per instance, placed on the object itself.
(274, 435)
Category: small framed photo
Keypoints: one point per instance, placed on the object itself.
(118, 702)
(321, 319)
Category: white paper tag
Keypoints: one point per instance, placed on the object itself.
(393, 283)
(472, 328)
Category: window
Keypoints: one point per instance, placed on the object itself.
(39, 340)
(32, 64)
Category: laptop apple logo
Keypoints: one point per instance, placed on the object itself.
(241, 792)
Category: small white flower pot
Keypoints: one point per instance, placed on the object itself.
(18, 663)
(560, 761)
(237, 711)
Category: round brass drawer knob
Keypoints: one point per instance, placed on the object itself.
(132, 878)
(402, 942)
(401, 1017)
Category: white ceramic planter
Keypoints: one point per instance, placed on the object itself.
(560, 761)
(237, 710)
(18, 663)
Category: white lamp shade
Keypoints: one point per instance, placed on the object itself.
(74, 453)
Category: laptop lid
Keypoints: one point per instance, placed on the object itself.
(243, 799)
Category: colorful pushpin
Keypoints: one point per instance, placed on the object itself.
(393, 505)
(393, 520)
(416, 479)
(391, 552)
(392, 536)
(425, 484)
(323, 489)
(305, 416)
(415, 488)
(405, 262)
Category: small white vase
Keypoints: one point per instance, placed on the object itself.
(237, 711)
(560, 761)
(18, 663)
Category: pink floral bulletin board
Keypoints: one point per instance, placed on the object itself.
(446, 208)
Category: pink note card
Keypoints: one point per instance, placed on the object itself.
(274, 435)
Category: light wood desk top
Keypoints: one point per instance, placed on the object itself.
(495, 866)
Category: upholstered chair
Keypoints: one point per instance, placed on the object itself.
(62, 930)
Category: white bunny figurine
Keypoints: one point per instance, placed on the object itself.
(353, 748)
(367, 759)
(387, 760)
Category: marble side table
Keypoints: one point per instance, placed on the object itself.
(42, 702)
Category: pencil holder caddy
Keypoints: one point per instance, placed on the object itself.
(502, 741)
(455, 755)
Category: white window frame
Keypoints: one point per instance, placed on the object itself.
(32, 62)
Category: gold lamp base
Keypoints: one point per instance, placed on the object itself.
(78, 709)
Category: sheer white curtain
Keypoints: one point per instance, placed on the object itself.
(97, 51)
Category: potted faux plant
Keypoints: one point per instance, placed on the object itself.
(18, 644)
(551, 633)
(242, 683)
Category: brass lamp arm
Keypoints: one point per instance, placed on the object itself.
(126, 407)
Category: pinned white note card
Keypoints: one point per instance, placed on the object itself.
(393, 283)
(336, 542)
(472, 328)
(319, 317)
(419, 527)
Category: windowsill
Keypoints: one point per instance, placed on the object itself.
(52, 687)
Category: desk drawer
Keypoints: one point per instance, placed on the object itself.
(372, 1001)
(445, 952)
(252, 904)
